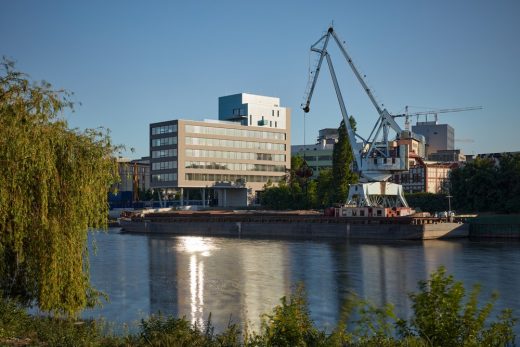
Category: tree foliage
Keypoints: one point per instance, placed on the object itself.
(428, 202)
(53, 186)
(483, 185)
(342, 161)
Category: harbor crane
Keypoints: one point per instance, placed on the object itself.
(376, 157)
(432, 112)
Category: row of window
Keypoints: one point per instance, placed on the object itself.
(234, 155)
(319, 158)
(199, 129)
(165, 129)
(164, 165)
(167, 177)
(172, 152)
(165, 141)
(233, 166)
(230, 178)
(235, 144)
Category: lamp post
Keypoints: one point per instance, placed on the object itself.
(449, 206)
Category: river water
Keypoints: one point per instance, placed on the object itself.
(240, 279)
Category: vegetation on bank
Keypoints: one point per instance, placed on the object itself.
(485, 185)
(444, 314)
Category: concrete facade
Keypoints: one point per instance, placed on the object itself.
(438, 137)
(232, 160)
(253, 110)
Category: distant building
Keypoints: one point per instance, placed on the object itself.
(134, 179)
(439, 137)
(253, 110)
(425, 176)
(230, 159)
(319, 155)
(453, 155)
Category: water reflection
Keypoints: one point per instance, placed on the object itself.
(238, 280)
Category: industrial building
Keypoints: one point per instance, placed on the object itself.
(225, 162)
(439, 137)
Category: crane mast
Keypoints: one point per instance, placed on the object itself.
(377, 157)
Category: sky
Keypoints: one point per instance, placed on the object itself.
(132, 63)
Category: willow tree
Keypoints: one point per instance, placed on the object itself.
(53, 187)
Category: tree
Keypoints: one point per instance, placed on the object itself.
(53, 187)
(325, 188)
(342, 161)
(445, 316)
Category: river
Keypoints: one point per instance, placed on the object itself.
(240, 279)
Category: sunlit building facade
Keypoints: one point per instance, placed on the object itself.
(227, 158)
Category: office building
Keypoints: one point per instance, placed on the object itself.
(318, 156)
(230, 159)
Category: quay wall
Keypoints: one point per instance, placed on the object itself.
(495, 226)
(299, 228)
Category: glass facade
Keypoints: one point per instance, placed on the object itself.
(167, 177)
(233, 166)
(165, 129)
(230, 178)
(235, 144)
(165, 141)
(164, 165)
(164, 153)
(198, 129)
(234, 155)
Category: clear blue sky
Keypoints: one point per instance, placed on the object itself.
(131, 63)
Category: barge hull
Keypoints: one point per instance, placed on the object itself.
(298, 228)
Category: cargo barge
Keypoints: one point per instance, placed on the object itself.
(298, 224)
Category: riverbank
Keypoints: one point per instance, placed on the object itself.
(495, 226)
(288, 324)
(295, 224)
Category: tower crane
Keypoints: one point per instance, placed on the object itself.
(432, 112)
(376, 157)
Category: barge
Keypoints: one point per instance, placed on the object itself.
(297, 224)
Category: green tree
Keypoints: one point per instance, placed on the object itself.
(325, 188)
(342, 160)
(444, 316)
(53, 186)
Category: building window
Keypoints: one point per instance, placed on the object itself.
(234, 144)
(197, 129)
(164, 153)
(164, 165)
(206, 165)
(164, 177)
(165, 141)
(165, 129)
